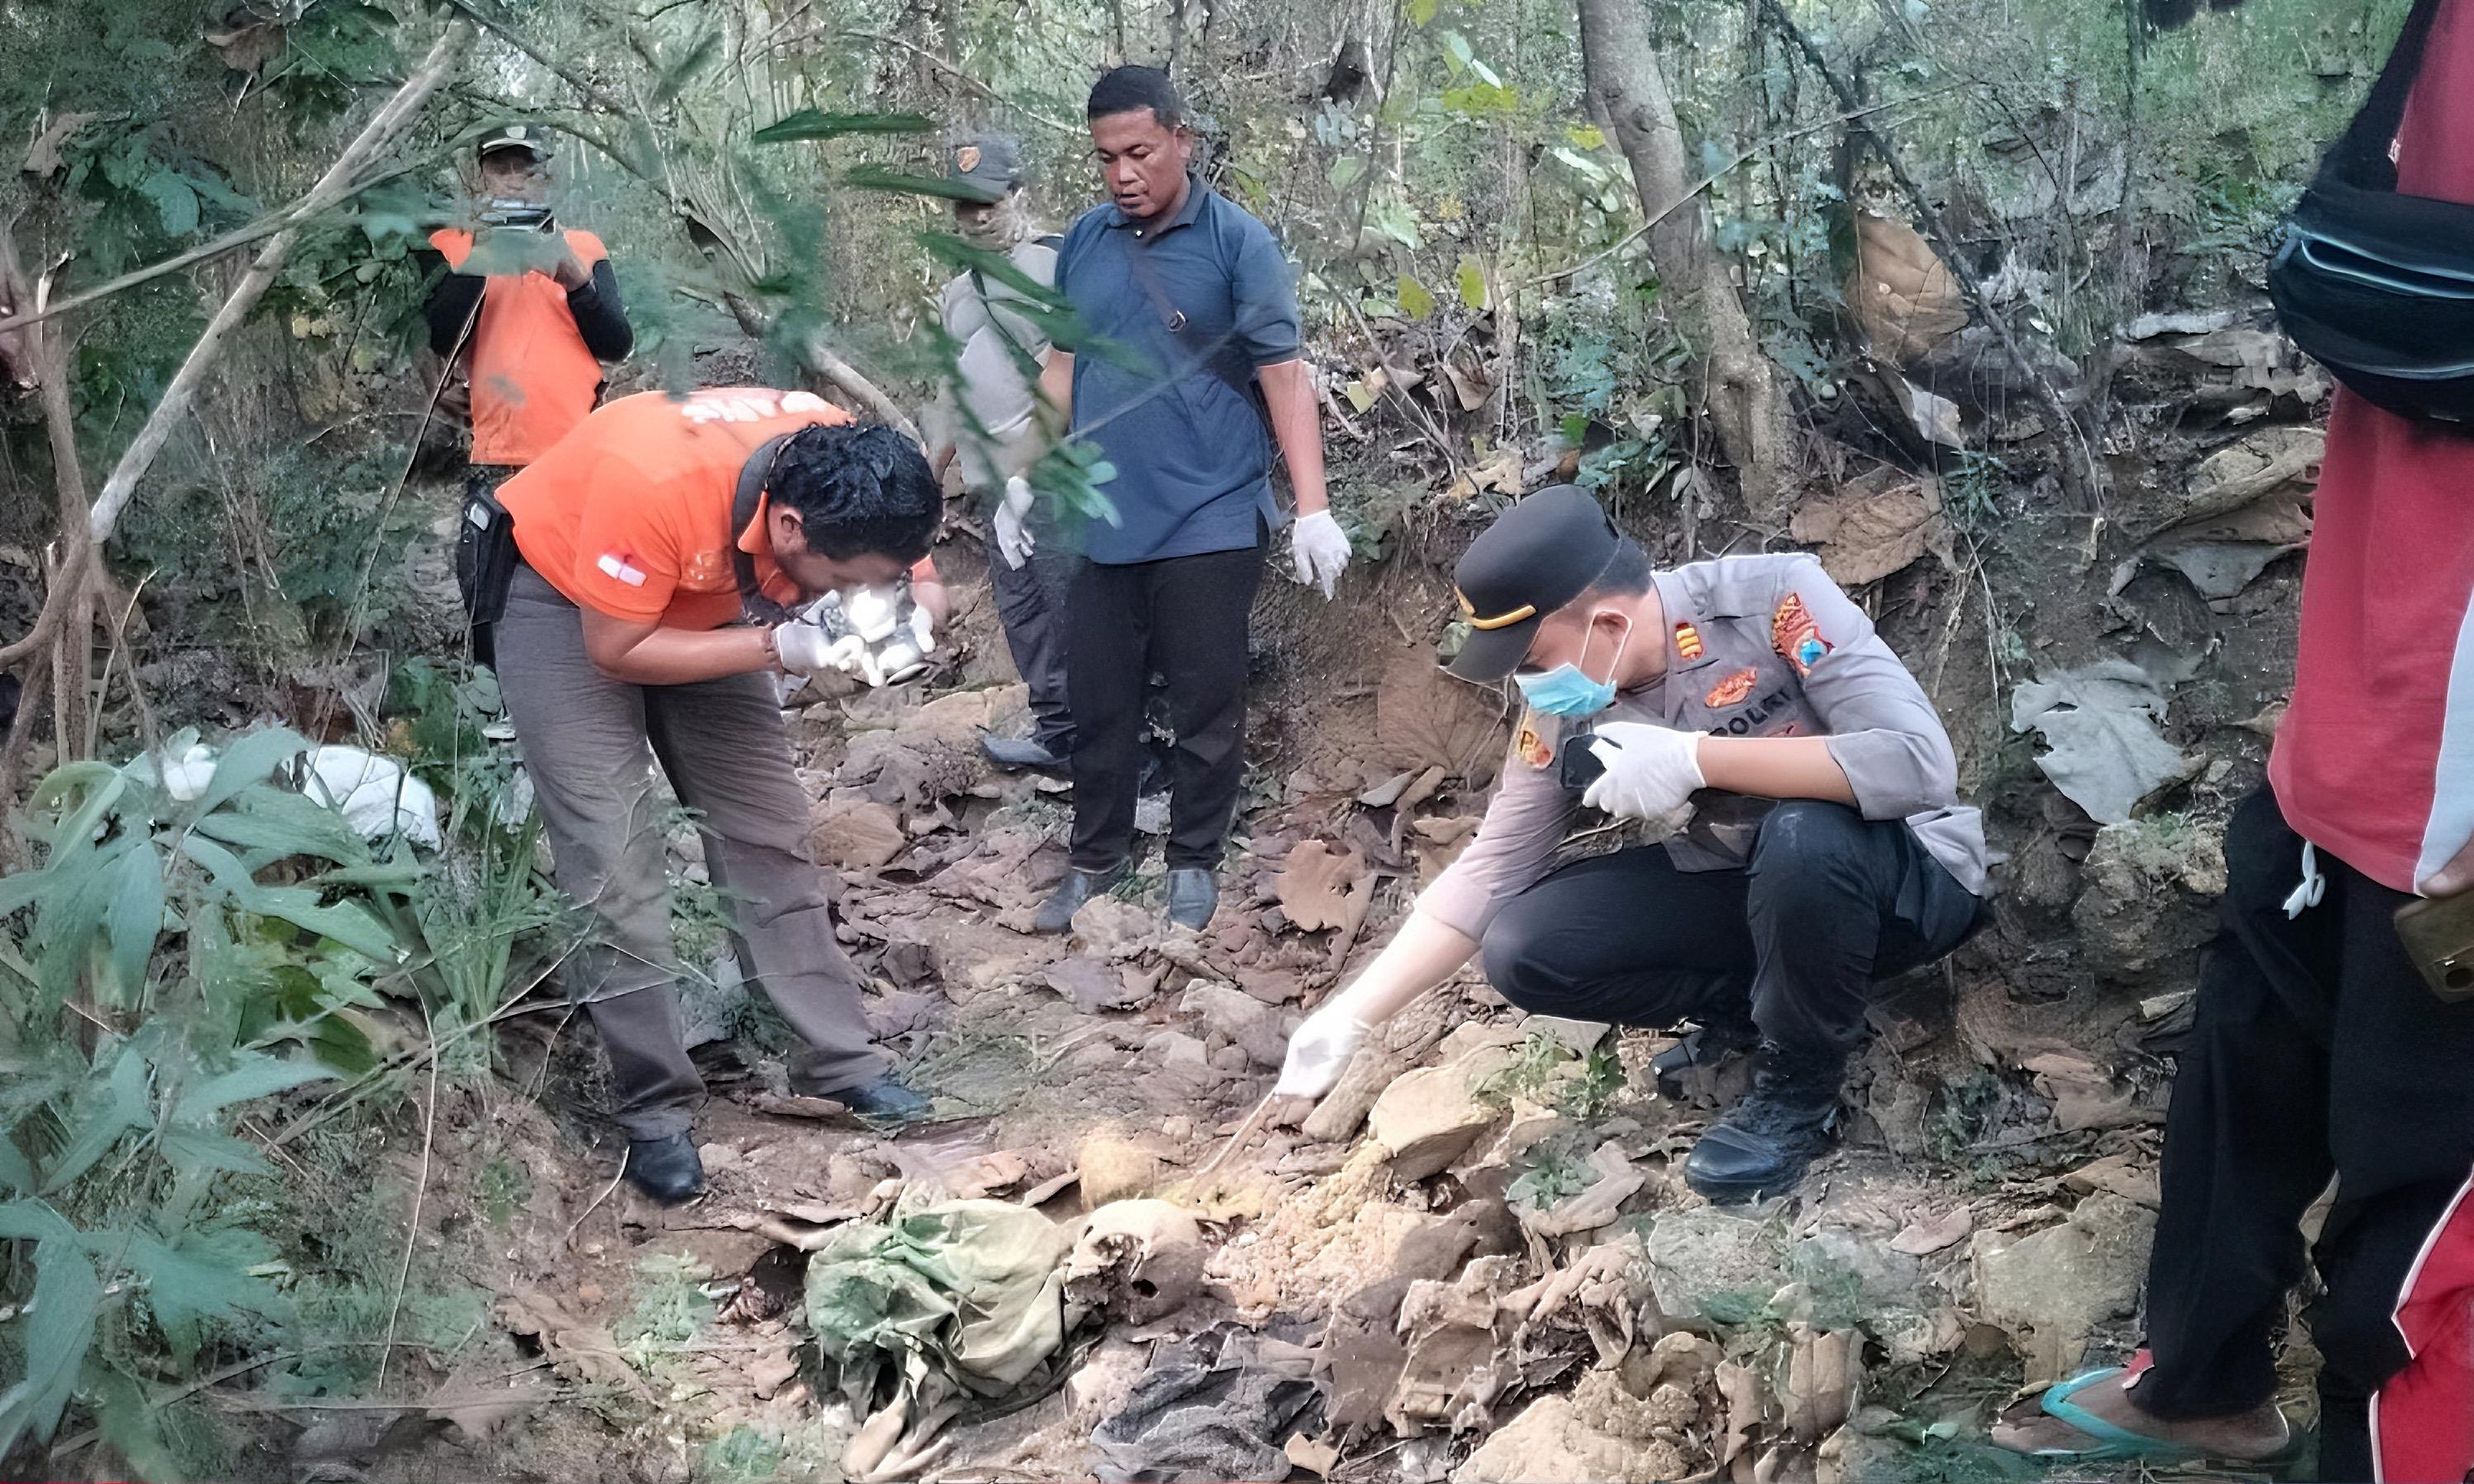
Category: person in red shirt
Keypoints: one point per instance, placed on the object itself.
(536, 318)
(621, 649)
(2320, 1052)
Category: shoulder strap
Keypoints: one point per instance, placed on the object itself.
(2361, 157)
(753, 605)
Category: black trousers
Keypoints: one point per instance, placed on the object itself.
(1829, 905)
(1185, 619)
(2318, 1051)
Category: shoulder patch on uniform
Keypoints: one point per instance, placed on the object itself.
(1530, 744)
(1687, 641)
(1732, 690)
(1796, 636)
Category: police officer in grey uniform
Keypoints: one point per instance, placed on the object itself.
(1727, 802)
(984, 416)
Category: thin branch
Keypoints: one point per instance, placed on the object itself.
(960, 76)
(295, 214)
(374, 139)
(412, 1233)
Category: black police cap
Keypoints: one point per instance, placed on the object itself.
(1536, 557)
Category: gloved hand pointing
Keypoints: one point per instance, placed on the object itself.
(1320, 1049)
(1013, 538)
(1651, 771)
(1321, 550)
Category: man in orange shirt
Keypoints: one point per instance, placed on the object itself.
(528, 311)
(620, 647)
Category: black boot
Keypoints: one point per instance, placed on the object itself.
(1711, 1041)
(883, 1104)
(1035, 754)
(668, 1171)
(1762, 1144)
(1192, 895)
(1056, 914)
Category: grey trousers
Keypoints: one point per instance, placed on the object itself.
(590, 743)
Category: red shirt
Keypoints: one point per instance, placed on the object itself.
(2375, 761)
(533, 378)
(629, 514)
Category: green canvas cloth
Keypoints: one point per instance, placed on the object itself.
(970, 1288)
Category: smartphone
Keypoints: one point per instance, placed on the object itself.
(1580, 765)
(2438, 936)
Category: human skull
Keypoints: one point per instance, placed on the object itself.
(1141, 1260)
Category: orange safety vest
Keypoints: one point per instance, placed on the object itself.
(533, 378)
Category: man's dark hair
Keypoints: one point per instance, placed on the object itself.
(1625, 574)
(1132, 89)
(859, 490)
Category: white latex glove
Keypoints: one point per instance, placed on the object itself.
(806, 650)
(1651, 771)
(923, 628)
(1013, 538)
(1321, 549)
(872, 612)
(1320, 1049)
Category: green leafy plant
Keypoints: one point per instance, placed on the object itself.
(218, 942)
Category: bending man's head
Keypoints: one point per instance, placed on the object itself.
(850, 506)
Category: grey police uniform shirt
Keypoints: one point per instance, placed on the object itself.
(989, 382)
(1755, 647)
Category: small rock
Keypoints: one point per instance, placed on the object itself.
(2052, 1290)
(1427, 1120)
(1832, 1259)
(1113, 929)
(1093, 985)
(1176, 1048)
(716, 1157)
(1577, 1036)
(1244, 1019)
(767, 1374)
(2118, 1174)
(1928, 1234)
(2149, 894)
(1551, 1443)
(1115, 1168)
(855, 832)
(1232, 1060)
(1702, 1258)
(1177, 1128)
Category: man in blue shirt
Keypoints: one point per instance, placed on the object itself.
(1189, 308)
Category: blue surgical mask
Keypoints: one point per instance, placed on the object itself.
(1565, 691)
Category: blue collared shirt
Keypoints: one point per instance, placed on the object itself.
(1184, 313)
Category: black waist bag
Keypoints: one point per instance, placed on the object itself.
(2378, 286)
(485, 555)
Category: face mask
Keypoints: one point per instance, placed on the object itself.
(1565, 691)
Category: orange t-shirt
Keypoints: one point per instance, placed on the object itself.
(629, 516)
(533, 378)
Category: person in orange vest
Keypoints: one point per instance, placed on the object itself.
(528, 310)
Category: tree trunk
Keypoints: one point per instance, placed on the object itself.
(1739, 385)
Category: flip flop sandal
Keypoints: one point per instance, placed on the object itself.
(2113, 1441)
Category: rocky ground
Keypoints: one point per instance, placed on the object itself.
(1477, 1261)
